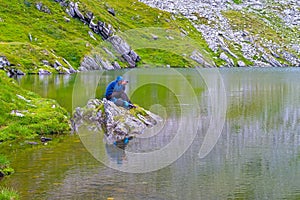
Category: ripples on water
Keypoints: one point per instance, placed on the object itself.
(256, 157)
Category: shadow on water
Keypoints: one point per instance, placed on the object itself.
(257, 156)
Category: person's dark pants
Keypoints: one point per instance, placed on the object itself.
(118, 95)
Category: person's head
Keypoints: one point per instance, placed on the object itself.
(120, 80)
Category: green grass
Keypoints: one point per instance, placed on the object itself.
(238, 1)
(54, 38)
(5, 169)
(8, 194)
(41, 116)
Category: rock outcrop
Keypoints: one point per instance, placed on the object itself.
(116, 122)
(8, 68)
(106, 31)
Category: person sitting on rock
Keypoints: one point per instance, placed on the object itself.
(115, 92)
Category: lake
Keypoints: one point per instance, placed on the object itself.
(226, 134)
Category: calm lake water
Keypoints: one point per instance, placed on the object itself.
(244, 124)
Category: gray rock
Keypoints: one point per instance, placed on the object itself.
(67, 19)
(77, 12)
(46, 62)
(95, 62)
(44, 72)
(17, 113)
(88, 64)
(105, 30)
(4, 62)
(63, 70)
(72, 70)
(241, 64)
(42, 8)
(111, 11)
(117, 123)
(119, 45)
(20, 73)
(129, 60)
(57, 64)
(271, 60)
(229, 61)
(30, 37)
(134, 56)
(198, 57)
(116, 65)
(92, 35)
(89, 17)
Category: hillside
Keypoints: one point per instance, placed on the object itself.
(45, 34)
(265, 33)
(63, 36)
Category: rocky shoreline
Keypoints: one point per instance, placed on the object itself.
(223, 36)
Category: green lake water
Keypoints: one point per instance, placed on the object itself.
(230, 134)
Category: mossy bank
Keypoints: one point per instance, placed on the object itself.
(25, 115)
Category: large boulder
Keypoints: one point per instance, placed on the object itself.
(116, 122)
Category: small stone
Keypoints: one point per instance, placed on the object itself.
(30, 37)
(111, 11)
(67, 19)
(155, 37)
(241, 64)
(17, 113)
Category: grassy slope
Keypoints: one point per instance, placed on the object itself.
(70, 40)
(41, 116)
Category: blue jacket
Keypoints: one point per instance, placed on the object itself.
(113, 87)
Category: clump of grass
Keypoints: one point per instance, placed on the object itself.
(5, 169)
(8, 194)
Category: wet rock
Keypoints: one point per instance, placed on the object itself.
(63, 70)
(117, 123)
(44, 72)
(11, 72)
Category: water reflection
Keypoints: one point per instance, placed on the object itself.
(257, 156)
